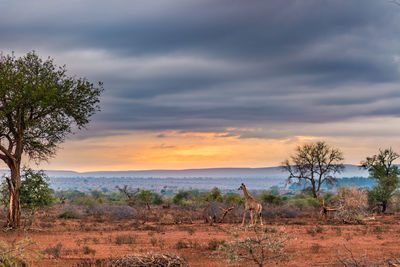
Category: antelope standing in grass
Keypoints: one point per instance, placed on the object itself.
(251, 206)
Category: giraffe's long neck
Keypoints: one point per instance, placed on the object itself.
(246, 194)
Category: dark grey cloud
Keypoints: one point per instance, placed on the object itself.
(209, 65)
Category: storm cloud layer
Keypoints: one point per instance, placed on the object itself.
(215, 65)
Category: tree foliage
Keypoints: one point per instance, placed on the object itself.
(315, 164)
(145, 197)
(180, 196)
(35, 190)
(382, 168)
(39, 106)
(214, 195)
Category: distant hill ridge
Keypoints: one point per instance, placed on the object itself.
(275, 172)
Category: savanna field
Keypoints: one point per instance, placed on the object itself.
(93, 230)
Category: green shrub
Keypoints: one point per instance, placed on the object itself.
(35, 190)
(271, 198)
(180, 197)
(67, 215)
(157, 200)
(233, 199)
(214, 195)
(96, 194)
(17, 254)
(304, 202)
(85, 200)
(145, 197)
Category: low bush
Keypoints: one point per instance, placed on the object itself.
(181, 244)
(17, 254)
(266, 197)
(167, 219)
(150, 260)
(257, 244)
(87, 250)
(280, 211)
(68, 214)
(54, 251)
(214, 244)
(304, 202)
(85, 200)
(116, 211)
(234, 199)
(125, 239)
(352, 205)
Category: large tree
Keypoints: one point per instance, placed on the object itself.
(39, 105)
(314, 164)
(381, 167)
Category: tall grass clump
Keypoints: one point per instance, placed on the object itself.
(352, 205)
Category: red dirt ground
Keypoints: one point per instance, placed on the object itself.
(313, 242)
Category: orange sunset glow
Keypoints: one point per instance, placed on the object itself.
(184, 150)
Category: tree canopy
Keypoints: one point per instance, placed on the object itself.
(382, 168)
(39, 106)
(316, 164)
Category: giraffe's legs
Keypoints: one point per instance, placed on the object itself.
(255, 217)
(251, 218)
(244, 217)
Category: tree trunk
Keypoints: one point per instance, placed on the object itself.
(314, 190)
(384, 206)
(14, 213)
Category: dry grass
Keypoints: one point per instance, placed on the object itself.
(125, 239)
(149, 259)
(352, 205)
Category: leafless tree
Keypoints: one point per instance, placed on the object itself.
(315, 164)
(131, 195)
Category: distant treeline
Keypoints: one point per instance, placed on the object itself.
(352, 181)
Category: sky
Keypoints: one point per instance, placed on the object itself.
(203, 84)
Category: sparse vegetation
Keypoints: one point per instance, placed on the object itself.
(214, 244)
(17, 253)
(260, 245)
(181, 244)
(150, 260)
(352, 205)
(54, 251)
(87, 250)
(153, 241)
(68, 214)
(125, 239)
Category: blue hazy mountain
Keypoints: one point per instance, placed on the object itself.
(224, 178)
(275, 172)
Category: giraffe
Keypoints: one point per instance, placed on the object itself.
(251, 206)
(324, 210)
